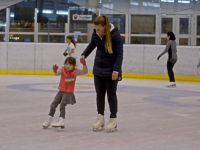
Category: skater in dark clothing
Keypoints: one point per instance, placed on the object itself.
(107, 68)
(172, 57)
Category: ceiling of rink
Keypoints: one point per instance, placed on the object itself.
(123, 6)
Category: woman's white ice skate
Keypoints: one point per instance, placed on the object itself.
(112, 125)
(99, 124)
(171, 85)
(60, 123)
(47, 123)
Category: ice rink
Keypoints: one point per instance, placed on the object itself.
(150, 116)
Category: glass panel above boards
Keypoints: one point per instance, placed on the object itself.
(142, 40)
(2, 20)
(22, 16)
(167, 25)
(21, 38)
(143, 24)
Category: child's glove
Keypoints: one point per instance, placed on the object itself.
(65, 54)
(83, 61)
(55, 68)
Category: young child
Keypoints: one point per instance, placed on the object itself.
(66, 94)
(70, 47)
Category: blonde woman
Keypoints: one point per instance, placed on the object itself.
(107, 68)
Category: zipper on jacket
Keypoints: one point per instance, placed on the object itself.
(100, 36)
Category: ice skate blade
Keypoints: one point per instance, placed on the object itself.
(62, 127)
(170, 86)
(111, 130)
(45, 127)
(99, 129)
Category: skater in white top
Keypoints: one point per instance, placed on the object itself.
(71, 45)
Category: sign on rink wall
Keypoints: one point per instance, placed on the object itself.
(82, 17)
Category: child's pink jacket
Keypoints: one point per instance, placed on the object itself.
(68, 78)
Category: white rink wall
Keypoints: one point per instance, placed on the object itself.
(137, 58)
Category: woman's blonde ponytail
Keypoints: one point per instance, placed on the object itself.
(108, 44)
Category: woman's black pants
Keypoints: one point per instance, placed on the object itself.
(170, 66)
(103, 85)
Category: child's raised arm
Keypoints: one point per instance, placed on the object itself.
(57, 71)
(84, 70)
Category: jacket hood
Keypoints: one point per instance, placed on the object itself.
(112, 29)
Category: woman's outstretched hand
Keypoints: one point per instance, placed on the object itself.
(114, 75)
(55, 68)
(158, 58)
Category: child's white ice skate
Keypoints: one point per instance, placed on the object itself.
(171, 85)
(112, 125)
(60, 123)
(47, 123)
(99, 124)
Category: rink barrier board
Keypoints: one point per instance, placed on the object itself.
(125, 75)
